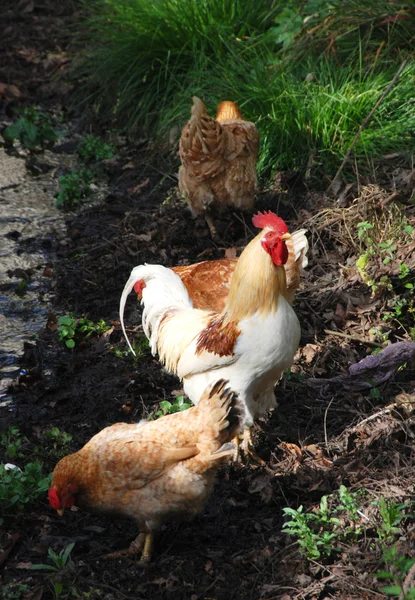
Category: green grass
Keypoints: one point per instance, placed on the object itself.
(307, 73)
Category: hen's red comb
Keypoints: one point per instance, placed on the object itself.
(54, 498)
(269, 219)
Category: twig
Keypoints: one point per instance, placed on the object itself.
(355, 338)
(325, 424)
(364, 123)
(385, 411)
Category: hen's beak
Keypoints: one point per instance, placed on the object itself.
(60, 511)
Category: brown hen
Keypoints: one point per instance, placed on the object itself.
(153, 471)
(218, 160)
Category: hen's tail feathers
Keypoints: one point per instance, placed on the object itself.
(164, 290)
(198, 108)
(221, 408)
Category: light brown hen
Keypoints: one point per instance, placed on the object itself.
(153, 471)
(219, 159)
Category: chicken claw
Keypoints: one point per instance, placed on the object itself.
(143, 543)
(244, 443)
(211, 225)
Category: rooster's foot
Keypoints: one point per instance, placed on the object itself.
(245, 446)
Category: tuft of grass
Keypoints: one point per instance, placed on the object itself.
(308, 74)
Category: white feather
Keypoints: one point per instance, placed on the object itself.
(300, 245)
(164, 290)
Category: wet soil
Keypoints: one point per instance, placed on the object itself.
(317, 439)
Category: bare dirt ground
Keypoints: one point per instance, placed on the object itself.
(322, 436)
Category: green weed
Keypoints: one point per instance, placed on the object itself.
(62, 573)
(14, 591)
(93, 148)
(140, 346)
(398, 568)
(20, 487)
(391, 516)
(167, 408)
(73, 189)
(58, 441)
(71, 329)
(339, 518)
(302, 525)
(12, 441)
(33, 129)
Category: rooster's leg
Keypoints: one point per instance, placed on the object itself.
(210, 224)
(246, 446)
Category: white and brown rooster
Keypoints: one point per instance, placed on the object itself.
(250, 342)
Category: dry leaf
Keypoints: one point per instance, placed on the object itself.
(10, 92)
(144, 237)
(24, 565)
(137, 189)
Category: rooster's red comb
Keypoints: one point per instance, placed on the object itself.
(269, 219)
(54, 498)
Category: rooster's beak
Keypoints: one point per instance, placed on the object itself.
(60, 511)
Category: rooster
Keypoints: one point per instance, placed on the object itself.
(218, 160)
(153, 471)
(250, 342)
(208, 282)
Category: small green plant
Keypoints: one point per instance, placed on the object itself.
(14, 591)
(12, 441)
(318, 531)
(167, 408)
(140, 346)
(399, 567)
(73, 189)
(302, 525)
(391, 516)
(66, 330)
(32, 129)
(58, 440)
(94, 148)
(88, 328)
(19, 487)
(61, 572)
(71, 329)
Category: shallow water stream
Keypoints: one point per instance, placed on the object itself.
(30, 227)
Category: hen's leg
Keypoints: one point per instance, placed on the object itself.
(147, 550)
(135, 547)
(211, 225)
